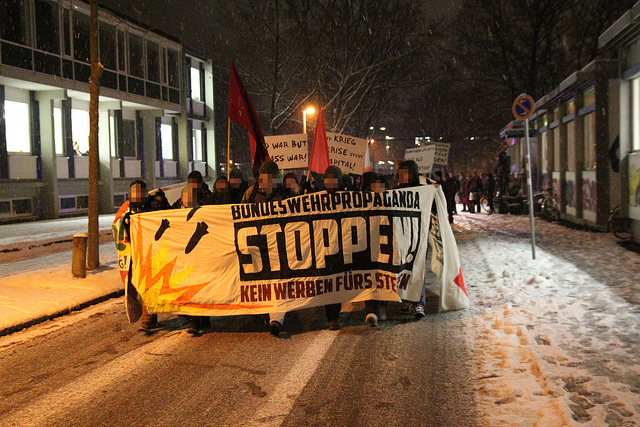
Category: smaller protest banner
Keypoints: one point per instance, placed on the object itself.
(289, 151)
(347, 152)
(441, 156)
(423, 156)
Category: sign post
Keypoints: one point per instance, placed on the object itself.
(522, 109)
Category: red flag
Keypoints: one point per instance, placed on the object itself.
(319, 161)
(242, 112)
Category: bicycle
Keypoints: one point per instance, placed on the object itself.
(618, 225)
(546, 206)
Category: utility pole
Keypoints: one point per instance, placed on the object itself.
(93, 258)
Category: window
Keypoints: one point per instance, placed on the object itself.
(590, 141)
(153, 62)
(57, 130)
(173, 67)
(107, 36)
(112, 134)
(81, 30)
(635, 143)
(166, 135)
(571, 107)
(197, 143)
(47, 26)
(14, 21)
(545, 152)
(195, 84)
(571, 145)
(122, 52)
(80, 131)
(128, 143)
(66, 31)
(17, 126)
(136, 55)
(556, 149)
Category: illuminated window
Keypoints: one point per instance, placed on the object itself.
(80, 131)
(556, 148)
(590, 141)
(197, 144)
(57, 130)
(195, 84)
(166, 135)
(571, 145)
(17, 126)
(635, 143)
(112, 134)
(545, 152)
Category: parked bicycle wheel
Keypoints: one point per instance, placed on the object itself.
(619, 225)
(484, 202)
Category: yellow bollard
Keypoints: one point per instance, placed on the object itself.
(79, 256)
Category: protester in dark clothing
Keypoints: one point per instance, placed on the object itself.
(490, 191)
(474, 187)
(221, 194)
(158, 201)
(367, 179)
(463, 190)
(268, 188)
(376, 310)
(408, 176)
(203, 194)
(291, 184)
(503, 169)
(139, 203)
(332, 183)
(237, 186)
(449, 188)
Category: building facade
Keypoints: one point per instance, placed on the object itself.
(623, 39)
(155, 109)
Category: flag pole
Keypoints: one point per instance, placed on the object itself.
(228, 147)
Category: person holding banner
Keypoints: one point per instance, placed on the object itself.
(268, 187)
(409, 176)
(333, 183)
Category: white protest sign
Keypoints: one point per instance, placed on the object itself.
(347, 152)
(441, 156)
(288, 151)
(423, 156)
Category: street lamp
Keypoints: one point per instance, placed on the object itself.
(309, 110)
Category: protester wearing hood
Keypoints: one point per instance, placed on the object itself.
(291, 184)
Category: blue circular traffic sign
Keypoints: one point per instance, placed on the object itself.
(523, 107)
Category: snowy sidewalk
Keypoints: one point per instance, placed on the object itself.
(35, 272)
(553, 341)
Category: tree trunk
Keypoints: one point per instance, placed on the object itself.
(93, 256)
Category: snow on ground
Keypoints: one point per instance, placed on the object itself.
(554, 340)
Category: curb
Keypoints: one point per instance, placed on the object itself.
(32, 322)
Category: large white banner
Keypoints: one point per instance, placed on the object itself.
(289, 151)
(305, 251)
(441, 153)
(347, 152)
(423, 156)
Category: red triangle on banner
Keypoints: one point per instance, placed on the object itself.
(460, 281)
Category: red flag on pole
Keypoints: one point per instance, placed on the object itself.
(242, 112)
(319, 161)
